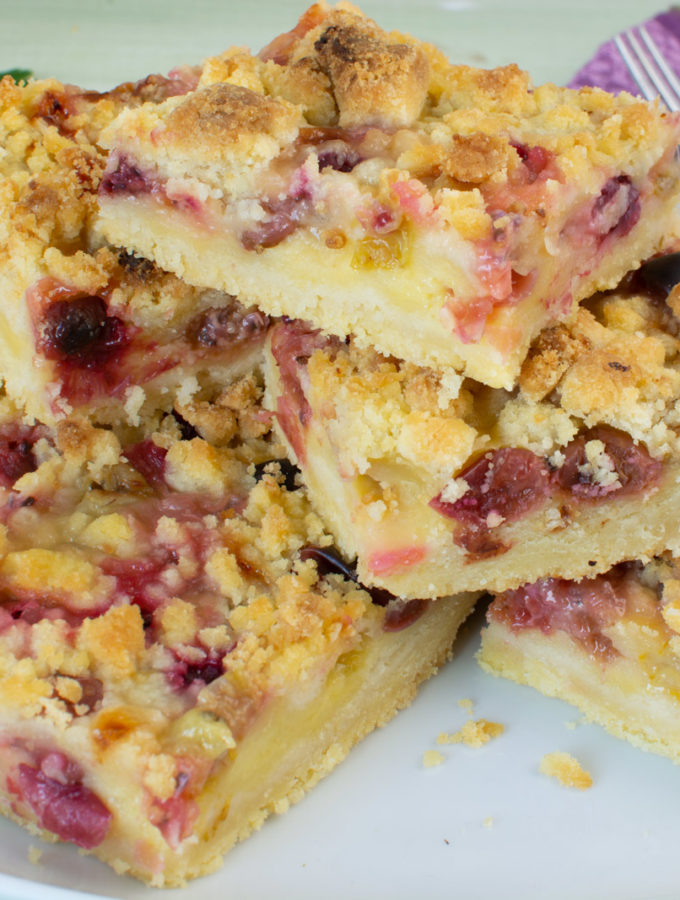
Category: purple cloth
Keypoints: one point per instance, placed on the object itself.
(607, 70)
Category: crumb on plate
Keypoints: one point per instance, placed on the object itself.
(566, 769)
(432, 758)
(473, 734)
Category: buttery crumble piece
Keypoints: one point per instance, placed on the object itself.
(473, 734)
(566, 769)
(35, 855)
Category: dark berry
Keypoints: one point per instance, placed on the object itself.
(634, 467)
(288, 471)
(225, 326)
(135, 265)
(186, 429)
(16, 459)
(509, 482)
(329, 562)
(185, 673)
(341, 158)
(535, 159)
(72, 325)
(206, 671)
(125, 179)
(80, 331)
(662, 273)
(70, 810)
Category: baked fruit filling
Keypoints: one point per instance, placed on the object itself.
(182, 650)
(429, 479)
(584, 610)
(509, 483)
(138, 334)
(358, 180)
(608, 645)
(88, 328)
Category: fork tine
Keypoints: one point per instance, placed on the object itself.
(666, 70)
(655, 76)
(638, 75)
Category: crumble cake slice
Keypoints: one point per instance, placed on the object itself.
(354, 178)
(437, 483)
(608, 645)
(182, 652)
(86, 328)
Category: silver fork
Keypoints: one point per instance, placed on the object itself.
(648, 68)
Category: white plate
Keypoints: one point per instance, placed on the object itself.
(484, 823)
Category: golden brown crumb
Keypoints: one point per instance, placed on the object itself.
(550, 357)
(473, 158)
(222, 114)
(473, 734)
(305, 84)
(375, 80)
(236, 411)
(566, 769)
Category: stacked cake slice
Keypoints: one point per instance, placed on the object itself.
(180, 655)
(182, 652)
(420, 273)
(439, 484)
(457, 217)
(608, 645)
(354, 178)
(88, 328)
